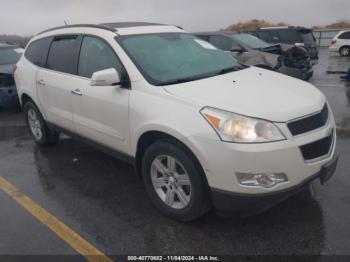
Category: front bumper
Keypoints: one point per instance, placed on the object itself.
(221, 161)
(247, 204)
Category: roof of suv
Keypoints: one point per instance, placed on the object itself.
(119, 27)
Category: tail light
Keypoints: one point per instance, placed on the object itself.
(14, 69)
(334, 42)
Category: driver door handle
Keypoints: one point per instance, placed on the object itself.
(41, 82)
(77, 92)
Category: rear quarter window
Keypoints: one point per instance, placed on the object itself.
(345, 35)
(37, 50)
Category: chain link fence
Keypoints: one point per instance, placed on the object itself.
(324, 36)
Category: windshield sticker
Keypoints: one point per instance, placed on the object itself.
(18, 50)
(205, 44)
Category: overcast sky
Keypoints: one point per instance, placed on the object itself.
(26, 17)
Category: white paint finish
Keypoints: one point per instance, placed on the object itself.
(254, 92)
(101, 113)
(118, 117)
(54, 95)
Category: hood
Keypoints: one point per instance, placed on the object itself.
(253, 92)
(255, 57)
(6, 69)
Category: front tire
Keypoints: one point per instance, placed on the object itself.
(40, 132)
(344, 51)
(174, 183)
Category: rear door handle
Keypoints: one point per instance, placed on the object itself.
(77, 92)
(41, 82)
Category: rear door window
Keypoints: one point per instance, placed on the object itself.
(345, 35)
(63, 54)
(37, 51)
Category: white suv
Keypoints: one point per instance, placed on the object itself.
(201, 129)
(341, 43)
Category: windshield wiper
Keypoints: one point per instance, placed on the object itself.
(193, 78)
(228, 70)
(182, 80)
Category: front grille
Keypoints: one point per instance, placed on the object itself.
(6, 80)
(317, 149)
(309, 123)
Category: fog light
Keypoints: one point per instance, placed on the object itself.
(261, 180)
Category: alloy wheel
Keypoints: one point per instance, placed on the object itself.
(171, 181)
(345, 51)
(34, 124)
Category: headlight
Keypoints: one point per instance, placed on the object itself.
(241, 129)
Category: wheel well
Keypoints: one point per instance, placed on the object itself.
(25, 98)
(348, 46)
(151, 137)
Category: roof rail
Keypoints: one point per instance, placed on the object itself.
(105, 27)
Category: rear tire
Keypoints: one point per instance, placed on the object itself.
(40, 132)
(344, 51)
(174, 183)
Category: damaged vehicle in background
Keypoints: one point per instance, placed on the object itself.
(9, 55)
(252, 51)
(290, 35)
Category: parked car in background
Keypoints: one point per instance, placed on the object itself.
(200, 128)
(9, 55)
(252, 51)
(341, 43)
(298, 36)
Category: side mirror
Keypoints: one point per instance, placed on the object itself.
(107, 77)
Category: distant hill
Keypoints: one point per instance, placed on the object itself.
(337, 25)
(255, 23)
(252, 24)
(20, 40)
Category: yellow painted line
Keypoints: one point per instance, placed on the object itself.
(74, 240)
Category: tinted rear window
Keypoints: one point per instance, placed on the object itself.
(37, 51)
(289, 36)
(307, 36)
(62, 54)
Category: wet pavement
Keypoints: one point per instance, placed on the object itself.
(102, 200)
(327, 79)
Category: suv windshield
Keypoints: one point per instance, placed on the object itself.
(170, 58)
(10, 55)
(251, 41)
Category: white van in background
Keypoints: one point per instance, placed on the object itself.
(341, 43)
